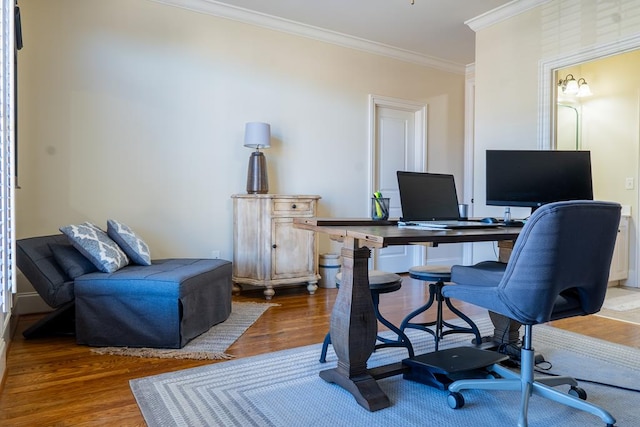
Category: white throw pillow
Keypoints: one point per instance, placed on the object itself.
(94, 244)
(130, 242)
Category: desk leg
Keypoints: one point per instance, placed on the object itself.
(505, 330)
(353, 330)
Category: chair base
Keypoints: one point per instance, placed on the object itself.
(441, 368)
(527, 384)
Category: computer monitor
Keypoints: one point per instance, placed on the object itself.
(531, 178)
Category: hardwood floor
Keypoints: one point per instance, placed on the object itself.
(54, 382)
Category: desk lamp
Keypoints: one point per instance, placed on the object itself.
(257, 135)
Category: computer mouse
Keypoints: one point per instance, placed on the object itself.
(489, 220)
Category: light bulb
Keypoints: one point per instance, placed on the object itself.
(583, 89)
(572, 87)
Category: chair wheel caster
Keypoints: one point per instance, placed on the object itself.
(455, 400)
(578, 392)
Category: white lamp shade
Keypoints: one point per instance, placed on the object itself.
(584, 90)
(257, 135)
(572, 87)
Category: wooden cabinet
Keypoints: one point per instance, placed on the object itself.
(267, 250)
(620, 262)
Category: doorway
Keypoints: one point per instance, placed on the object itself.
(397, 141)
(606, 123)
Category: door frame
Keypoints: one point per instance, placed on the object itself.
(469, 147)
(547, 108)
(420, 148)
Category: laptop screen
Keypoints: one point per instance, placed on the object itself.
(427, 196)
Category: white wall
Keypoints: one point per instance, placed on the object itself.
(134, 110)
(508, 58)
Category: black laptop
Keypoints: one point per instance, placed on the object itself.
(430, 200)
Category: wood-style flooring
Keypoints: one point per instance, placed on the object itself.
(54, 382)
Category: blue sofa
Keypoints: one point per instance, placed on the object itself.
(164, 305)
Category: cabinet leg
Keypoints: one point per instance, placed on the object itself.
(269, 293)
(312, 287)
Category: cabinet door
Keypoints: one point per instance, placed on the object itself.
(620, 262)
(292, 250)
(250, 246)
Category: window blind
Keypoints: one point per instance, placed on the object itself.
(7, 130)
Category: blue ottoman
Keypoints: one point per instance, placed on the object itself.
(164, 305)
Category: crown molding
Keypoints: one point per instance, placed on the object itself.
(470, 69)
(502, 13)
(211, 7)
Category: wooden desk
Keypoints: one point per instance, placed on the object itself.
(353, 322)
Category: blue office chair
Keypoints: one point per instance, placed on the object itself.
(559, 268)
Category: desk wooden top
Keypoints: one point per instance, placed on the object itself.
(387, 233)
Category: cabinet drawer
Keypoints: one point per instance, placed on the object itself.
(298, 207)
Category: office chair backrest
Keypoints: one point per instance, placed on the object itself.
(565, 249)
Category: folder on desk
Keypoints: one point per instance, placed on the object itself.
(430, 201)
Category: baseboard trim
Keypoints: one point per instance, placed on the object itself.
(30, 303)
(3, 363)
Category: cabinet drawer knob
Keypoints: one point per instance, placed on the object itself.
(293, 206)
(274, 246)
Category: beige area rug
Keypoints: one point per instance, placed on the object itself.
(211, 345)
(283, 389)
(622, 304)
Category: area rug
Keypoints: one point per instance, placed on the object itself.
(283, 389)
(211, 344)
(622, 304)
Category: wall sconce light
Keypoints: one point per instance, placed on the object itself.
(257, 135)
(583, 88)
(570, 86)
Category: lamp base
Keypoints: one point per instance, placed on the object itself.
(257, 182)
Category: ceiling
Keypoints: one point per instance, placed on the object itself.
(431, 28)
